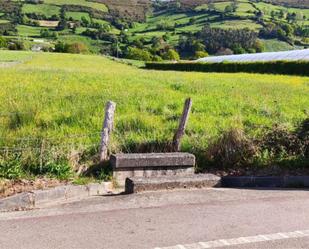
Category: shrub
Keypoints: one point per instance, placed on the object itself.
(3, 42)
(156, 58)
(232, 149)
(172, 55)
(74, 48)
(303, 134)
(60, 47)
(16, 45)
(138, 54)
(77, 48)
(200, 54)
(281, 142)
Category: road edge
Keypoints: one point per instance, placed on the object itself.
(38, 198)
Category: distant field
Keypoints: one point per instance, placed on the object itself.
(237, 24)
(273, 45)
(24, 30)
(294, 3)
(50, 24)
(93, 45)
(58, 96)
(98, 6)
(45, 9)
(77, 15)
(267, 8)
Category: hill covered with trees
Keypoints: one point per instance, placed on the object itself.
(154, 30)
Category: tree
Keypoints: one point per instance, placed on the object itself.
(138, 54)
(3, 42)
(77, 48)
(172, 55)
(16, 45)
(215, 39)
(84, 21)
(228, 9)
(238, 49)
(259, 46)
(200, 54)
(192, 20)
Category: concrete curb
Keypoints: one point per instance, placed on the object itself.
(265, 181)
(38, 198)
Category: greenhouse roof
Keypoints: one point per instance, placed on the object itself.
(268, 56)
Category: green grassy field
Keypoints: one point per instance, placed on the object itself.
(159, 22)
(44, 9)
(98, 6)
(78, 15)
(30, 31)
(52, 108)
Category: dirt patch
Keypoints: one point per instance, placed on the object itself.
(46, 23)
(11, 187)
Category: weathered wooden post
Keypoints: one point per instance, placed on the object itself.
(182, 125)
(107, 128)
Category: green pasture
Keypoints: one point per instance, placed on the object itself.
(57, 101)
(31, 31)
(77, 15)
(44, 9)
(94, 5)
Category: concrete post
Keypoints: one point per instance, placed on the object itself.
(107, 128)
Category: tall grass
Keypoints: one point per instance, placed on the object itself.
(51, 108)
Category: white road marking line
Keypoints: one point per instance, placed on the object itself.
(241, 240)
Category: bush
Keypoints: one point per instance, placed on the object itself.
(232, 149)
(172, 55)
(200, 54)
(77, 48)
(281, 142)
(74, 48)
(16, 45)
(156, 58)
(3, 42)
(138, 54)
(280, 146)
(270, 67)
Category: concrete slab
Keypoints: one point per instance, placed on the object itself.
(150, 165)
(135, 185)
(152, 160)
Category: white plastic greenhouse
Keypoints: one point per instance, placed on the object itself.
(293, 55)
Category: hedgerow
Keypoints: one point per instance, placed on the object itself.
(270, 67)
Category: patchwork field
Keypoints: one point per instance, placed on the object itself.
(52, 108)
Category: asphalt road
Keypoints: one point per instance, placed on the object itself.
(188, 219)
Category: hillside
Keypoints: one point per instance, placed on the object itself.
(140, 29)
(52, 109)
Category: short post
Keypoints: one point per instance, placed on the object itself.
(182, 125)
(107, 128)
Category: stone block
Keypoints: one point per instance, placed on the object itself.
(135, 185)
(152, 160)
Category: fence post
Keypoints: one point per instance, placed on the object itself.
(182, 125)
(107, 128)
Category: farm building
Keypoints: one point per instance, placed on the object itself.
(292, 55)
